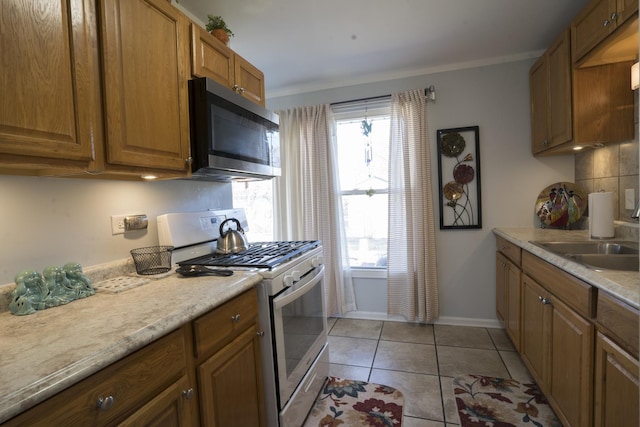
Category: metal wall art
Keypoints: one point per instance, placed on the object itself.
(459, 178)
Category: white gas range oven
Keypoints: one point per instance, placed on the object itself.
(291, 308)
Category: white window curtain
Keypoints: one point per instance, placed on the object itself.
(412, 287)
(307, 197)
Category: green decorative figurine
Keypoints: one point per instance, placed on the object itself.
(56, 286)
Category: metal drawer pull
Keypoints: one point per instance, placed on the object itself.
(260, 333)
(605, 23)
(613, 16)
(188, 393)
(235, 318)
(105, 403)
(544, 300)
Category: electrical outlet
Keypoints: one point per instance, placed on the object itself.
(117, 224)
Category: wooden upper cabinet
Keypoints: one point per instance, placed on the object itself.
(539, 93)
(249, 81)
(560, 109)
(597, 21)
(145, 81)
(551, 107)
(212, 58)
(49, 82)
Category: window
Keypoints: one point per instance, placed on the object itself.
(256, 197)
(363, 167)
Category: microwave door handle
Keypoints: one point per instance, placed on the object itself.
(283, 300)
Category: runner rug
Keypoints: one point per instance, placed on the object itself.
(350, 403)
(484, 401)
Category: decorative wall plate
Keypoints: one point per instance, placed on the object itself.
(561, 204)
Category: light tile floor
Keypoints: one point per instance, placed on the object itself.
(421, 361)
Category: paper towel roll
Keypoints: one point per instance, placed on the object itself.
(601, 215)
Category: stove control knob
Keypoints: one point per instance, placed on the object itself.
(291, 278)
(317, 261)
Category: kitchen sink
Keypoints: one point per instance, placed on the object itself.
(608, 262)
(610, 255)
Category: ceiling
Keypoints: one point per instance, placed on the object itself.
(308, 45)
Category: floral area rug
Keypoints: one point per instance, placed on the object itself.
(488, 401)
(350, 403)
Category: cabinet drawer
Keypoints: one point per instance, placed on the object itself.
(511, 251)
(619, 321)
(216, 328)
(572, 291)
(130, 382)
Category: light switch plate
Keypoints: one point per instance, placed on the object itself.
(629, 198)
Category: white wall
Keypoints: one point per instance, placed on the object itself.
(496, 98)
(51, 221)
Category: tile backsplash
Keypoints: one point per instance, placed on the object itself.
(614, 168)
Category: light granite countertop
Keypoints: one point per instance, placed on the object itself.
(46, 352)
(624, 285)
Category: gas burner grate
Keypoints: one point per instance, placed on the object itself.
(258, 255)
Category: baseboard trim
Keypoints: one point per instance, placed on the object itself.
(445, 320)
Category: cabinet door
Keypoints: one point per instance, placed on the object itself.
(169, 409)
(49, 82)
(230, 384)
(560, 114)
(513, 285)
(536, 327)
(145, 44)
(501, 288)
(626, 8)
(571, 365)
(591, 26)
(616, 386)
(210, 57)
(249, 81)
(539, 93)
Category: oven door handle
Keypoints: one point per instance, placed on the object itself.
(285, 299)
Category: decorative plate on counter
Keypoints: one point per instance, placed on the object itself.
(561, 204)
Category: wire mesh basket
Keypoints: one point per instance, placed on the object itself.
(152, 259)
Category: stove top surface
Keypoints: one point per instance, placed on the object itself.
(258, 255)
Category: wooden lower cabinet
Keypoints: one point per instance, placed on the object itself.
(557, 347)
(156, 385)
(536, 326)
(508, 290)
(571, 365)
(168, 409)
(616, 386)
(230, 384)
(147, 385)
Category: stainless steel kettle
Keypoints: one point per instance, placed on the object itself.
(231, 241)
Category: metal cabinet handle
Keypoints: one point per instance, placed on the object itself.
(605, 23)
(240, 90)
(235, 318)
(188, 160)
(188, 393)
(105, 403)
(260, 333)
(543, 300)
(613, 16)
(235, 88)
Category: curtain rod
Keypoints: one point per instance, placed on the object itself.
(429, 92)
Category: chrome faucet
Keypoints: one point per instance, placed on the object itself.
(636, 211)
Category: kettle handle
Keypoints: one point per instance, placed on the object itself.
(238, 226)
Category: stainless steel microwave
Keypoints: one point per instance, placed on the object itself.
(231, 137)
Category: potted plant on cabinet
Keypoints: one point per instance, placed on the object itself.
(218, 28)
